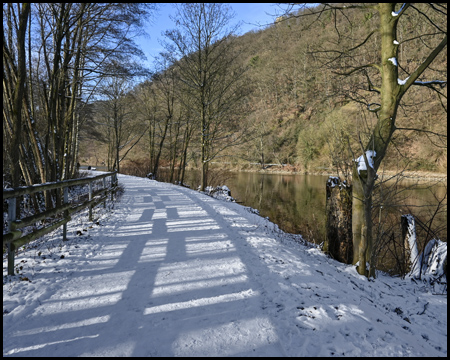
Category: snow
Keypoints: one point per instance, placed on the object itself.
(333, 181)
(440, 82)
(433, 258)
(369, 106)
(370, 154)
(396, 13)
(336, 181)
(173, 272)
(429, 265)
(402, 82)
(393, 60)
(220, 192)
(411, 237)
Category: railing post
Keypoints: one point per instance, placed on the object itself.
(11, 247)
(90, 198)
(113, 183)
(104, 187)
(66, 212)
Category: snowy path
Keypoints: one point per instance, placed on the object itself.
(174, 272)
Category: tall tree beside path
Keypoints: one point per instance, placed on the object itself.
(203, 50)
(14, 78)
(54, 57)
(383, 80)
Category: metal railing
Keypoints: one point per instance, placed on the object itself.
(15, 238)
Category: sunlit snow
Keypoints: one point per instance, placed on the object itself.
(173, 272)
(402, 82)
(361, 163)
(393, 60)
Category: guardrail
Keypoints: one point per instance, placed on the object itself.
(14, 239)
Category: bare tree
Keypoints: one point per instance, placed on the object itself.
(14, 76)
(383, 80)
(116, 114)
(50, 73)
(203, 51)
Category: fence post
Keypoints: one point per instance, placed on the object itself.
(13, 237)
(113, 183)
(104, 187)
(66, 212)
(11, 247)
(90, 198)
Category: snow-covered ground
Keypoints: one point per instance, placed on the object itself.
(173, 272)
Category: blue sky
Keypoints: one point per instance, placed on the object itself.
(250, 14)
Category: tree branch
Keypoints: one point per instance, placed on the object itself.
(420, 130)
(414, 76)
(441, 83)
(376, 66)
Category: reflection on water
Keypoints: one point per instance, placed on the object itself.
(297, 202)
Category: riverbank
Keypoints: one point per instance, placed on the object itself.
(420, 176)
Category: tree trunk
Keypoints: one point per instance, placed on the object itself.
(364, 180)
(161, 143)
(204, 156)
(411, 257)
(19, 91)
(19, 94)
(204, 174)
(338, 242)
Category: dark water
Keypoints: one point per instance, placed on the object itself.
(295, 202)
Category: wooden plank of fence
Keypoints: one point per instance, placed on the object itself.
(22, 190)
(14, 238)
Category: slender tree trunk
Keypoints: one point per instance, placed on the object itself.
(19, 91)
(187, 139)
(204, 161)
(363, 182)
(161, 143)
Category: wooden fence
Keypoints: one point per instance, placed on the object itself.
(14, 238)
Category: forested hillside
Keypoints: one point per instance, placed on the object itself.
(299, 108)
(306, 107)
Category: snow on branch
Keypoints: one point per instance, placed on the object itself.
(361, 161)
(402, 82)
(371, 109)
(441, 83)
(393, 60)
(414, 76)
(399, 12)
